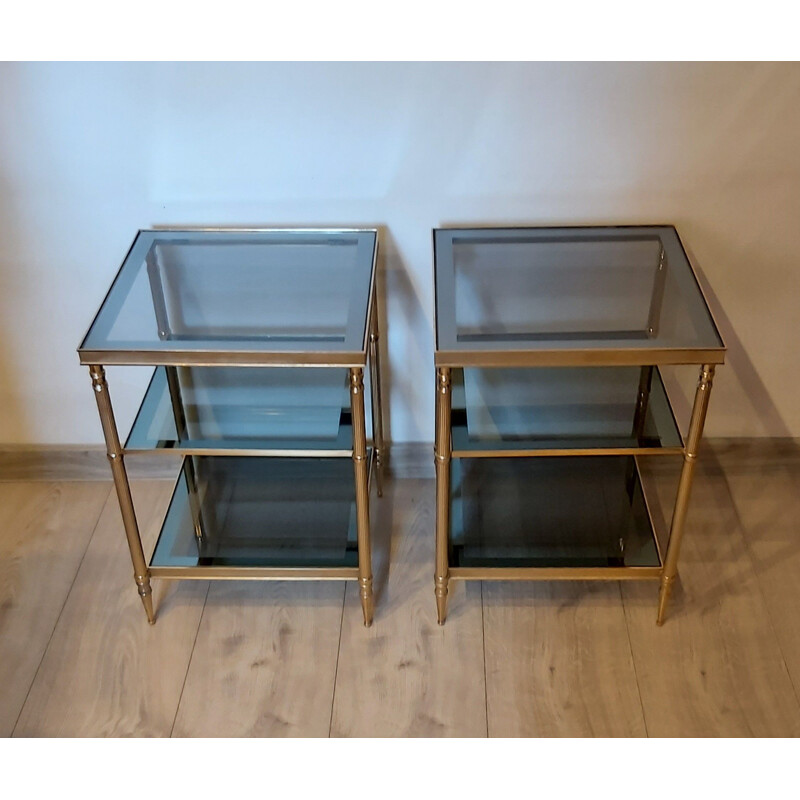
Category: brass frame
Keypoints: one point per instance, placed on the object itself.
(442, 451)
(363, 456)
(696, 424)
(141, 573)
(445, 360)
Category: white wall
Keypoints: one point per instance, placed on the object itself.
(91, 153)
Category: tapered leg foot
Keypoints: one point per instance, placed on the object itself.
(663, 597)
(441, 598)
(146, 593)
(367, 605)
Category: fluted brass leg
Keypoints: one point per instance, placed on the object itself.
(141, 573)
(685, 487)
(377, 407)
(442, 450)
(361, 471)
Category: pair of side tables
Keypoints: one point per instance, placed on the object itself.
(548, 393)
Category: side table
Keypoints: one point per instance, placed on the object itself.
(549, 346)
(259, 339)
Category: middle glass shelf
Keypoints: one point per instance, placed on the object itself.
(561, 411)
(283, 411)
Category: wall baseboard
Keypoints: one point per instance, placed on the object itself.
(77, 463)
(406, 460)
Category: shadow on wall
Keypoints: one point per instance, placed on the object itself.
(739, 362)
(383, 321)
(412, 391)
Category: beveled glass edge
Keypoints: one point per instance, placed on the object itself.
(452, 354)
(700, 288)
(357, 329)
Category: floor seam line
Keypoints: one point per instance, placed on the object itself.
(485, 676)
(751, 560)
(338, 653)
(633, 658)
(189, 663)
(61, 610)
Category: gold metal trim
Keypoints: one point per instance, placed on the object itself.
(221, 358)
(555, 573)
(605, 451)
(256, 573)
(166, 452)
(258, 229)
(630, 357)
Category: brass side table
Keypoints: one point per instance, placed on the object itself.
(549, 344)
(259, 340)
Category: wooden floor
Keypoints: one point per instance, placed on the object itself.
(77, 657)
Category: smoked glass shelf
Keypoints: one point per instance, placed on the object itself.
(260, 340)
(244, 411)
(585, 512)
(258, 513)
(559, 411)
(549, 349)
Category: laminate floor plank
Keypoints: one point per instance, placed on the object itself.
(266, 653)
(407, 675)
(766, 495)
(261, 658)
(558, 660)
(45, 529)
(715, 668)
(106, 672)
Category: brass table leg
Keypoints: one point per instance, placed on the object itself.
(114, 451)
(442, 450)
(684, 487)
(361, 470)
(377, 413)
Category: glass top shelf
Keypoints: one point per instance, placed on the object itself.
(569, 296)
(260, 512)
(241, 410)
(560, 410)
(238, 297)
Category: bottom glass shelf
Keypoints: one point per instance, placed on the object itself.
(260, 512)
(580, 512)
